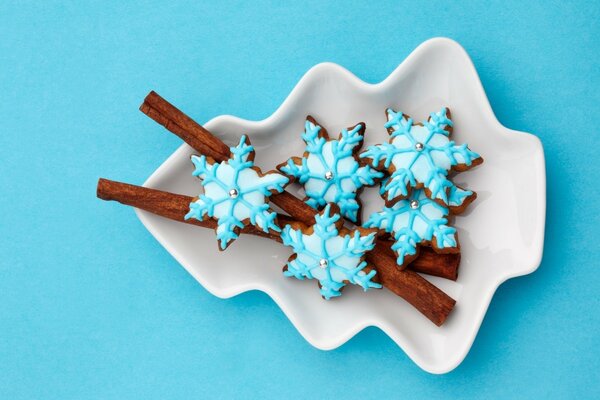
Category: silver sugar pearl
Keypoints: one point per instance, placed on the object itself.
(323, 263)
(419, 146)
(233, 193)
(329, 175)
(414, 204)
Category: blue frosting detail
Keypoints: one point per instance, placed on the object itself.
(458, 195)
(414, 221)
(420, 155)
(235, 192)
(329, 257)
(330, 171)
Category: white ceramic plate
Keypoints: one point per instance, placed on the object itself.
(501, 234)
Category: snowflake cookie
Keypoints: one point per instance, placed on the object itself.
(330, 170)
(329, 253)
(414, 221)
(235, 193)
(420, 155)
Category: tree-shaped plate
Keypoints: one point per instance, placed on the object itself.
(501, 233)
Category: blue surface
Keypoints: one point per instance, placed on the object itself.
(91, 306)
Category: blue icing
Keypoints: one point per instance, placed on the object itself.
(413, 221)
(420, 155)
(328, 256)
(235, 192)
(330, 171)
(458, 195)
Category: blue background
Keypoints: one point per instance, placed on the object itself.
(91, 306)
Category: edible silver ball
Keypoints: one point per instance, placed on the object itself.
(329, 175)
(414, 204)
(323, 263)
(233, 193)
(419, 146)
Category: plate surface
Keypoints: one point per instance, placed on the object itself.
(501, 233)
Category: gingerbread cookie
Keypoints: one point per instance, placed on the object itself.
(235, 193)
(330, 169)
(420, 155)
(330, 253)
(415, 221)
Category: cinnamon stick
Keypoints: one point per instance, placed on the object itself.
(428, 262)
(200, 139)
(183, 126)
(169, 205)
(176, 206)
(425, 297)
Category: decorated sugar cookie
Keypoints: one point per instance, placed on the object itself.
(235, 193)
(330, 170)
(415, 221)
(420, 155)
(329, 253)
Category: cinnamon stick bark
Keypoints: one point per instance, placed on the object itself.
(176, 206)
(200, 139)
(428, 262)
(425, 297)
(169, 205)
